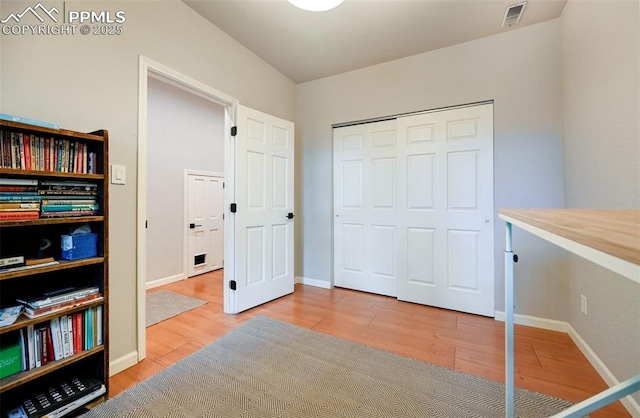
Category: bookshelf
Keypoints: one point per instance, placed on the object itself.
(49, 161)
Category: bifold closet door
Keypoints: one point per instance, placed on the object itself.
(446, 201)
(365, 207)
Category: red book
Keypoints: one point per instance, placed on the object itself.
(46, 167)
(44, 345)
(50, 354)
(27, 152)
(77, 332)
(15, 216)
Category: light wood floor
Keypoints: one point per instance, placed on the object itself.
(546, 361)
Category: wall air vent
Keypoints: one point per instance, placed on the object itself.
(513, 14)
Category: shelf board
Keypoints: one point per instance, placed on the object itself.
(52, 221)
(18, 379)
(62, 266)
(55, 132)
(41, 173)
(23, 321)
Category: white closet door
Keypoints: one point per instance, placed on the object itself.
(365, 207)
(446, 202)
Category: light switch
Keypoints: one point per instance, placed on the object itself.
(118, 174)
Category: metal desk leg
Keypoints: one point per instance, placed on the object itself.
(508, 308)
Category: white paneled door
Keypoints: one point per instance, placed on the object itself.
(366, 207)
(264, 218)
(414, 208)
(205, 200)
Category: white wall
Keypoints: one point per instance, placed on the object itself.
(520, 71)
(91, 82)
(601, 139)
(185, 131)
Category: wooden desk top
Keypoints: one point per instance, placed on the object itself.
(613, 232)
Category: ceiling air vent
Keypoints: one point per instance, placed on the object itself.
(513, 14)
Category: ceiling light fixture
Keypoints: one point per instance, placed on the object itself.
(316, 5)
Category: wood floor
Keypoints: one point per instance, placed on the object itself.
(545, 361)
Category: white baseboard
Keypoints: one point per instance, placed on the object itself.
(165, 280)
(551, 324)
(313, 282)
(534, 321)
(123, 363)
(632, 406)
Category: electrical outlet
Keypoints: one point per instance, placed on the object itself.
(583, 304)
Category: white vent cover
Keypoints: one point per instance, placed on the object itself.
(513, 14)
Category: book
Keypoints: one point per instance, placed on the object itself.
(58, 296)
(66, 214)
(37, 313)
(11, 261)
(15, 216)
(23, 197)
(22, 206)
(19, 189)
(20, 268)
(67, 185)
(9, 315)
(67, 200)
(68, 208)
(37, 261)
(18, 182)
(20, 119)
(56, 336)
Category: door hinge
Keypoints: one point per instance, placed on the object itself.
(233, 208)
(232, 285)
(146, 224)
(223, 216)
(223, 184)
(234, 130)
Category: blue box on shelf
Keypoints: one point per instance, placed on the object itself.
(76, 247)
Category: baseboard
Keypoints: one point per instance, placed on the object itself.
(313, 282)
(534, 321)
(165, 280)
(632, 406)
(123, 363)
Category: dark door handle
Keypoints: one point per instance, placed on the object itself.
(290, 215)
(192, 226)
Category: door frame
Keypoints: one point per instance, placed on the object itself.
(150, 68)
(185, 248)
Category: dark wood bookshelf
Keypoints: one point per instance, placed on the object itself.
(63, 264)
(16, 237)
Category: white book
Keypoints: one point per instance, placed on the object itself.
(70, 329)
(99, 322)
(24, 349)
(56, 338)
(31, 347)
(38, 348)
(64, 332)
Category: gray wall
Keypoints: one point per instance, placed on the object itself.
(90, 82)
(185, 131)
(520, 71)
(601, 139)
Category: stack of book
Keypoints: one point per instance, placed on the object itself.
(60, 199)
(19, 199)
(59, 300)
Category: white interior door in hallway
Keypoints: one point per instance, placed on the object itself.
(413, 203)
(205, 208)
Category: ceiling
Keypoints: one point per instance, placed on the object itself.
(306, 46)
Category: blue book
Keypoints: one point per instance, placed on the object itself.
(9, 197)
(67, 208)
(12, 118)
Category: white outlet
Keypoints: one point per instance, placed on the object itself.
(583, 304)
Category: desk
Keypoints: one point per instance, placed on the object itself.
(609, 238)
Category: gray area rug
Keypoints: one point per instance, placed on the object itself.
(266, 368)
(165, 304)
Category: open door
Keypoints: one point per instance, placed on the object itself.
(263, 217)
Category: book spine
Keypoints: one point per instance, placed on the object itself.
(11, 261)
(37, 347)
(65, 297)
(67, 201)
(68, 208)
(70, 331)
(12, 197)
(32, 206)
(99, 329)
(56, 335)
(16, 216)
(28, 139)
(41, 153)
(64, 332)
(31, 347)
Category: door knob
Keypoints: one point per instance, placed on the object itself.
(192, 226)
(290, 215)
